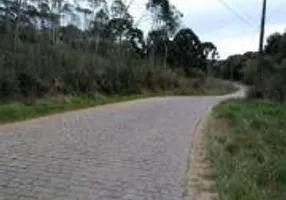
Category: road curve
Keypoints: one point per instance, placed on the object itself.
(127, 151)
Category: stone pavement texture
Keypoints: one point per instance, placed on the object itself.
(127, 151)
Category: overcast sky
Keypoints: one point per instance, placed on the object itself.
(213, 21)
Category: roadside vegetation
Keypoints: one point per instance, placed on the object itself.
(31, 108)
(79, 48)
(246, 148)
(271, 83)
(246, 139)
(17, 111)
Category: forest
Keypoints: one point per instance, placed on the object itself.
(52, 47)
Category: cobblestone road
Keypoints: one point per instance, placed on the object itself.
(128, 151)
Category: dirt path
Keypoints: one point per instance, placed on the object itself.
(127, 151)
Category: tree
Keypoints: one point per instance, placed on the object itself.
(209, 50)
(70, 34)
(9, 11)
(166, 19)
(120, 24)
(59, 8)
(273, 44)
(210, 53)
(16, 8)
(276, 46)
(44, 13)
(120, 11)
(45, 48)
(187, 51)
(137, 42)
(99, 26)
(86, 13)
(157, 42)
(119, 29)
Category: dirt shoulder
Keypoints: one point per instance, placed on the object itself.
(200, 184)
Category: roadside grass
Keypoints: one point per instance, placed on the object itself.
(19, 111)
(249, 157)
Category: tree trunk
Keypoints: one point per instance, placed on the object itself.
(120, 45)
(53, 6)
(152, 58)
(97, 39)
(208, 69)
(231, 75)
(17, 24)
(165, 55)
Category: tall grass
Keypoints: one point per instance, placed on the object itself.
(250, 159)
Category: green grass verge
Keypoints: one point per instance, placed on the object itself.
(18, 111)
(250, 160)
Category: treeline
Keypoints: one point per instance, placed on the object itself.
(268, 76)
(51, 47)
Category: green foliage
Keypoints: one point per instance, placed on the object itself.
(250, 71)
(250, 158)
(186, 50)
(272, 84)
(163, 11)
(265, 73)
(233, 67)
(52, 47)
(276, 46)
(36, 72)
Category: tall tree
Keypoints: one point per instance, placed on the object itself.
(59, 9)
(99, 25)
(86, 12)
(44, 11)
(137, 42)
(18, 17)
(210, 53)
(99, 20)
(166, 18)
(120, 10)
(187, 51)
(121, 22)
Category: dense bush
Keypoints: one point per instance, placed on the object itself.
(266, 76)
(36, 72)
(75, 47)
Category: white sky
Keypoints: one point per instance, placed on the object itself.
(212, 21)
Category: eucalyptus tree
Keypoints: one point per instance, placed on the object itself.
(11, 16)
(96, 15)
(166, 19)
(99, 26)
(59, 9)
(136, 38)
(99, 20)
(120, 23)
(210, 54)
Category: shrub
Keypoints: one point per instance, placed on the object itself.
(35, 72)
(272, 84)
